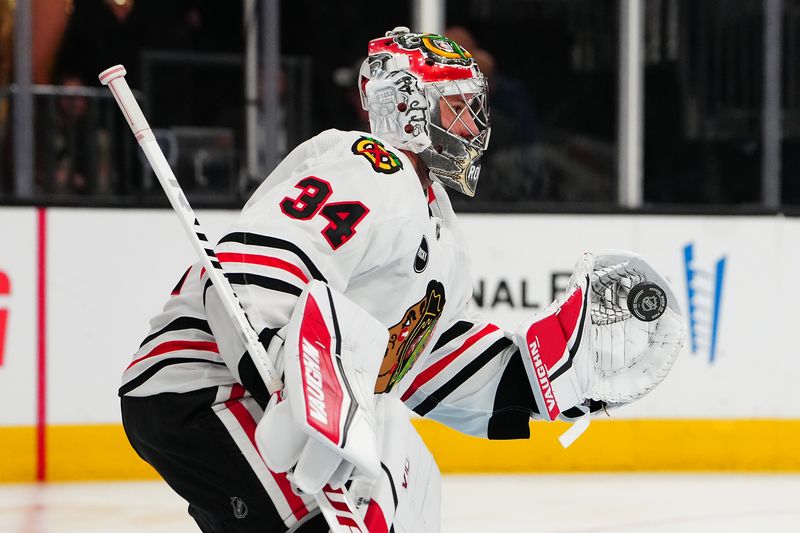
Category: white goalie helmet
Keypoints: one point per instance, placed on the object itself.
(424, 93)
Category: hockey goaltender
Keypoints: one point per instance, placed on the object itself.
(350, 262)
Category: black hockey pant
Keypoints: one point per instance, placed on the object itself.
(202, 444)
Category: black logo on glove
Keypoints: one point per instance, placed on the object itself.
(647, 301)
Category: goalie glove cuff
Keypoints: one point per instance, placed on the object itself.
(550, 344)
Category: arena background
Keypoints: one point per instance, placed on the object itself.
(88, 249)
(81, 284)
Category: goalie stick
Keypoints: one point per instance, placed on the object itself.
(335, 505)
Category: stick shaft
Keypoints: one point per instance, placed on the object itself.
(115, 79)
(341, 518)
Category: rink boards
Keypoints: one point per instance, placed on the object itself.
(77, 287)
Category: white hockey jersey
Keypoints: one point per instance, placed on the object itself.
(347, 209)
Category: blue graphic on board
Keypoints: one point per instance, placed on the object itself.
(704, 291)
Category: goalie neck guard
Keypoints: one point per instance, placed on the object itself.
(424, 93)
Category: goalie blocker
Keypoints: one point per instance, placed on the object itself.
(325, 415)
(327, 427)
(587, 350)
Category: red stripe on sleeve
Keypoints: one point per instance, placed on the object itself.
(253, 259)
(174, 346)
(248, 424)
(237, 392)
(429, 373)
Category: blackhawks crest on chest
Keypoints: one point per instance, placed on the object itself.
(382, 160)
(409, 337)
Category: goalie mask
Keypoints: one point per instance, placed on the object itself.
(425, 94)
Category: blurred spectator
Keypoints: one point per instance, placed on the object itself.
(513, 121)
(346, 78)
(103, 33)
(509, 169)
(512, 108)
(6, 49)
(76, 156)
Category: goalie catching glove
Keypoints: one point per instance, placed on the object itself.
(595, 348)
(322, 425)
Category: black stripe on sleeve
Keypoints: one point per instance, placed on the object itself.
(251, 379)
(208, 284)
(177, 290)
(461, 377)
(513, 403)
(456, 330)
(254, 239)
(139, 380)
(183, 322)
(266, 336)
(264, 282)
(248, 373)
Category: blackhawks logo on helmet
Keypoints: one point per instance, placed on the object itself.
(438, 48)
(382, 160)
(409, 337)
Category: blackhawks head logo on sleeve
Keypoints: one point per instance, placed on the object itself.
(409, 337)
(382, 160)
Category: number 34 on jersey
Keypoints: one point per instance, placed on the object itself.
(342, 217)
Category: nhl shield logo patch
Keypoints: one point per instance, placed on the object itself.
(421, 259)
(381, 159)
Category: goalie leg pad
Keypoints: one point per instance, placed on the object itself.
(406, 497)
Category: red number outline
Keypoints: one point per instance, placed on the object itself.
(304, 192)
(293, 208)
(334, 224)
